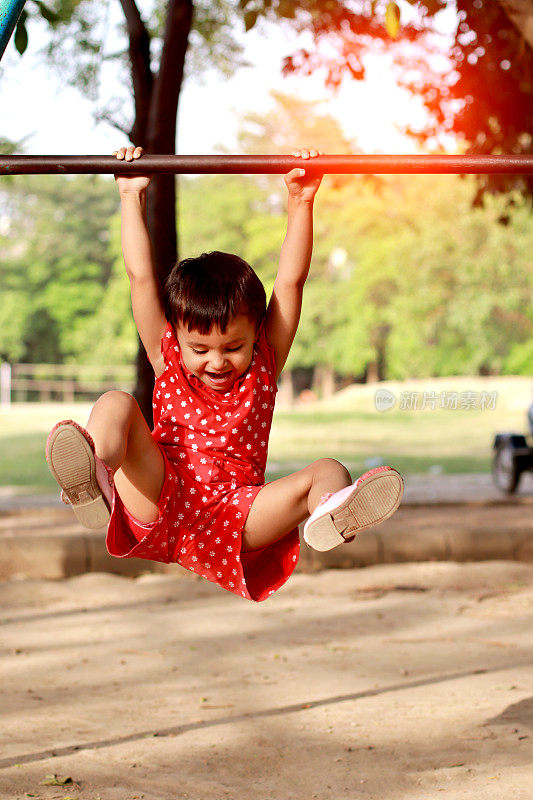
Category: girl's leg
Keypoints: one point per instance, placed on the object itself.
(123, 441)
(285, 503)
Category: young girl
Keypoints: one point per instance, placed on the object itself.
(192, 491)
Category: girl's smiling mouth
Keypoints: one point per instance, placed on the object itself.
(219, 377)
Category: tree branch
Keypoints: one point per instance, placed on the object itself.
(107, 116)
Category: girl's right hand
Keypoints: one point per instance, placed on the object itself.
(134, 182)
(303, 186)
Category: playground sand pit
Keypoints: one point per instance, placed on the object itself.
(399, 681)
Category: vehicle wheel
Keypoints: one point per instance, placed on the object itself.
(505, 472)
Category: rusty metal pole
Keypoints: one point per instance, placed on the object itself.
(243, 164)
(10, 11)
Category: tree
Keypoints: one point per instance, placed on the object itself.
(107, 335)
(55, 262)
(486, 98)
(156, 57)
(407, 279)
(450, 288)
(482, 95)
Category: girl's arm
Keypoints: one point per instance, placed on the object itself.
(146, 301)
(283, 314)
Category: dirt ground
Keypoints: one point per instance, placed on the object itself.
(404, 681)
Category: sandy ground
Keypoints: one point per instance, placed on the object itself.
(401, 681)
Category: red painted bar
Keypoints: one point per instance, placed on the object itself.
(242, 164)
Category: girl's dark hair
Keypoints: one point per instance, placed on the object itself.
(210, 290)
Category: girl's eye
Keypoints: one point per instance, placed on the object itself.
(203, 352)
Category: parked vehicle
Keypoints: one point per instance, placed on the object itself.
(512, 457)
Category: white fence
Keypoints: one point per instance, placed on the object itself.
(61, 382)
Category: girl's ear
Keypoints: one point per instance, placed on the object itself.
(258, 328)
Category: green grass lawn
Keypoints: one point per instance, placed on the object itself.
(346, 426)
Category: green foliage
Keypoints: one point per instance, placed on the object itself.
(484, 96)
(80, 29)
(407, 279)
(108, 335)
(15, 311)
(478, 89)
(406, 275)
(21, 33)
(519, 360)
(289, 123)
(233, 214)
(8, 148)
(35, 8)
(56, 263)
(464, 289)
(213, 42)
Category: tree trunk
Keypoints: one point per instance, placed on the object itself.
(286, 388)
(323, 380)
(156, 108)
(161, 213)
(372, 372)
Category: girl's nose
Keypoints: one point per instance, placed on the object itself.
(218, 360)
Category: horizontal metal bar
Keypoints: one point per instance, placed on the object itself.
(242, 164)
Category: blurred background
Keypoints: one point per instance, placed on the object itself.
(420, 285)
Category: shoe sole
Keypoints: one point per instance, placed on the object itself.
(72, 463)
(372, 501)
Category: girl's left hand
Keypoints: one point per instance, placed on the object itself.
(303, 186)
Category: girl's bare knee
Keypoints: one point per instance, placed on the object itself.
(117, 425)
(326, 467)
(116, 399)
(115, 407)
(110, 420)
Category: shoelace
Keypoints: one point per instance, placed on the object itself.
(325, 498)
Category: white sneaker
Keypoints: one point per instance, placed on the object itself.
(373, 498)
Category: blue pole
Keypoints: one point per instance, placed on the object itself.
(10, 11)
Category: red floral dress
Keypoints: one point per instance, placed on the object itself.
(215, 448)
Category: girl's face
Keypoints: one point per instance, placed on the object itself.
(218, 359)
